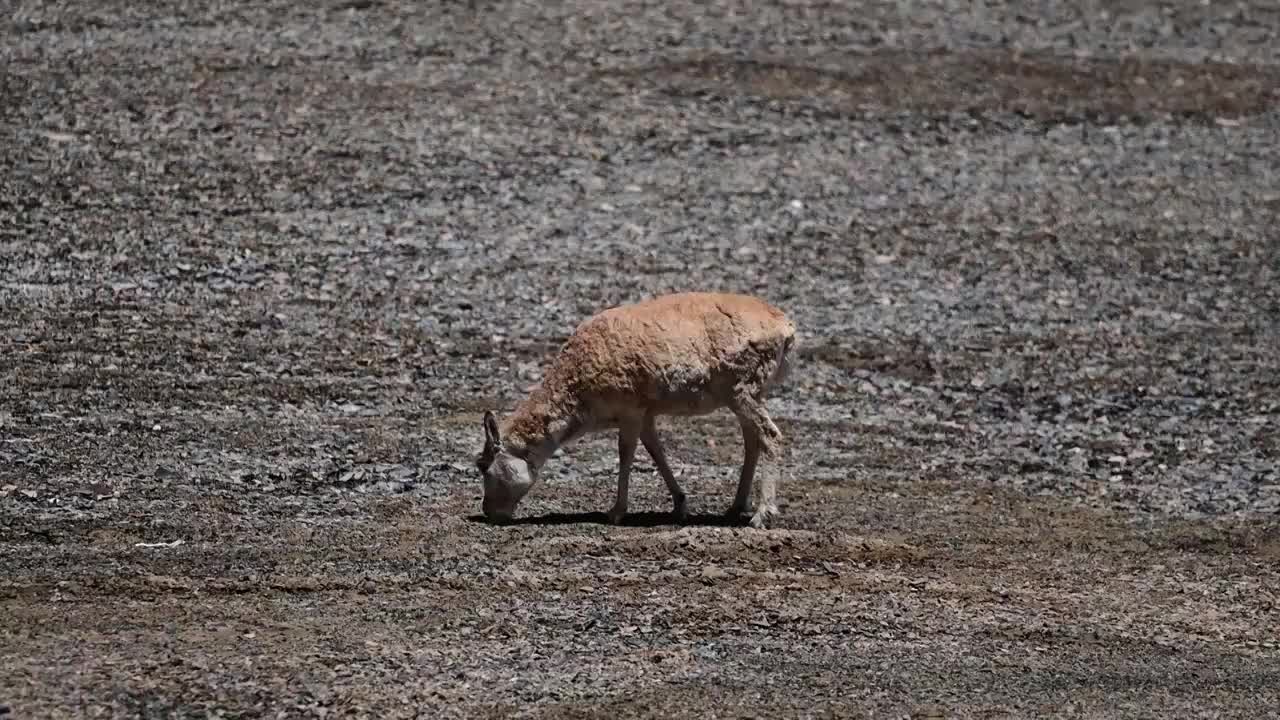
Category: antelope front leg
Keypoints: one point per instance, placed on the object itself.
(649, 436)
(628, 436)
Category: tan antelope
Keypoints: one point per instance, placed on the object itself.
(682, 354)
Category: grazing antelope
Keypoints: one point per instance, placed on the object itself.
(683, 354)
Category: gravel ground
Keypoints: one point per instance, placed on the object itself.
(262, 267)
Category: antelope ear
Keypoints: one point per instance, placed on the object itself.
(492, 440)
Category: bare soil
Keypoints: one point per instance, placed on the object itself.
(263, 266)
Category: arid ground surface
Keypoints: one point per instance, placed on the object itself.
(263, 265)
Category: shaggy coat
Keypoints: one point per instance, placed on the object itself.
(681, 354)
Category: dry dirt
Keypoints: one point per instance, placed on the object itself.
(263, 265)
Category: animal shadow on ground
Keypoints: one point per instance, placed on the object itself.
(638, 519)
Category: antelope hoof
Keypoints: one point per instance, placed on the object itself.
(679, 509)
(763, 517)
(616, 514)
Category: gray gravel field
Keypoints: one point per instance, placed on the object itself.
(264, 265)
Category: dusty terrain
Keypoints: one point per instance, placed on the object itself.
(263, 265)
